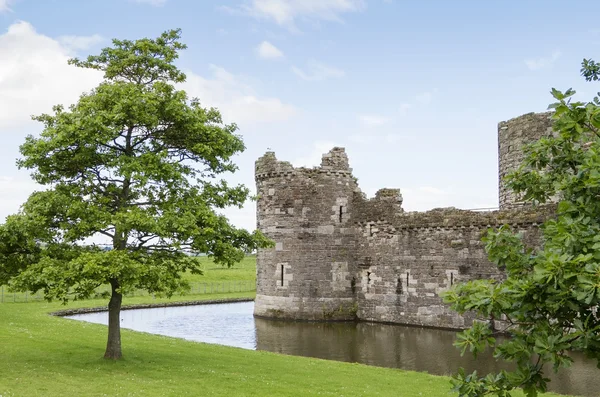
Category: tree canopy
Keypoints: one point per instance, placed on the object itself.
(549, 299)
(136, 162)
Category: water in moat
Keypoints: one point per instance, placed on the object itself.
(410, 348)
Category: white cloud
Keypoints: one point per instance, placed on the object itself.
(404, 108)
(372, 120)
(286, 12)
(432, 190)
(244, 218)
(154, 3)
(4, 5)
(34, 74)
(237, 100)
(314, 158)
(317, 71)
(13, 193)
(423, 198)
(393, 138)
(540, 63)
(365, 139)
(426, 97)
(78, 43)
(361, 138)
(267, 50)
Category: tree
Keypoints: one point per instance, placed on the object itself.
(549, 299)
(134, 161)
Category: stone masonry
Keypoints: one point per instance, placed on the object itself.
(341, 256)
(512, 135)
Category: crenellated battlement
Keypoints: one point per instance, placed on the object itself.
(340, 255)
(457, 218)
(334, 164)
(302, 172)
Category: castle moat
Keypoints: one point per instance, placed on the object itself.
(395, 346)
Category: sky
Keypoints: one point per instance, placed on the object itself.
(413, 90)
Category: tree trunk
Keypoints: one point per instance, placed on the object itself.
(113, 346)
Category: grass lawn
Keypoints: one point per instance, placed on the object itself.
(215, 278)
(42, 355)
(245, 270)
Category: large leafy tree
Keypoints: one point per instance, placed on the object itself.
(548, 302)
(134, 161)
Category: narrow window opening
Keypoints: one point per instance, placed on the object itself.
(368, 277)
(371, 230)
(282, 275)
(399, 286)
(407, 278)
(451, 279)
(341, 210)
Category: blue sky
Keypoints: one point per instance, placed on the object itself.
(412, 90)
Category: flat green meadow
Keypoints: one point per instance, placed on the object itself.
(215, 279)
(44, 355)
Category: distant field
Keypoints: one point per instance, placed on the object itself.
(245, 270)
(215, 279)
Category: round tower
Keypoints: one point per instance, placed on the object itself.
(512, 136)
(308, 274)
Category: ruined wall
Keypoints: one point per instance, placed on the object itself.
(305, 211)
(407, 261)
(339, 255)
(512, 136)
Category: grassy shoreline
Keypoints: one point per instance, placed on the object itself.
(134, 306)
(44, 355)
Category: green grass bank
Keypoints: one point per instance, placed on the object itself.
(43, 355)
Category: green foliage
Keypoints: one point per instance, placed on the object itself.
(549, 299)
(138, 162)
(591, 71)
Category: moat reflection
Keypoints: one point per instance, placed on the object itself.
(410, 348)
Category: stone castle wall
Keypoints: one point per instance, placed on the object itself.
(306, 212)
(512, 136)
(406, 262)
(341, 256)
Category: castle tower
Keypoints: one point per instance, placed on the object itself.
(512, 136)
(308, 274)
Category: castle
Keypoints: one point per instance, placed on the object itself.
(341, 256)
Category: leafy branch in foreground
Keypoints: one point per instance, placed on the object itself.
(547, 304)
